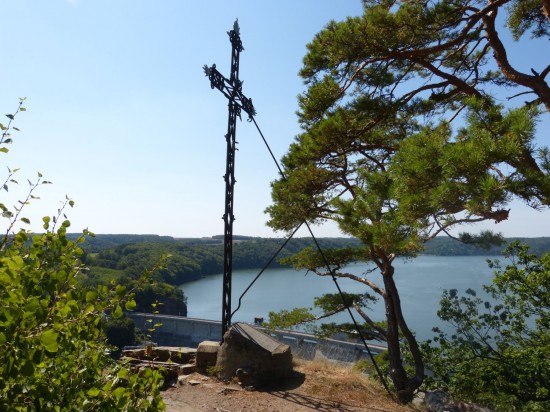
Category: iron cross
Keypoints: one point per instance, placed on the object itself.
(232, 89)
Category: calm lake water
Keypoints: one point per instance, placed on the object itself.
(420, 282)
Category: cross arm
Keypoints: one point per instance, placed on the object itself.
(229, 90)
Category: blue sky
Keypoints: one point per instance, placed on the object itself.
(121, 118)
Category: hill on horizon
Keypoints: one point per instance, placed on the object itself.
(439, 246)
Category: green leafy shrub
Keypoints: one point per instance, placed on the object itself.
(53, 354)
(499, 352)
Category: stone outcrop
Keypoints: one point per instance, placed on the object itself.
(172, 362)
(207, 355)
(254, 357)
(248, 354)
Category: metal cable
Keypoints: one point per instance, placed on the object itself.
(327, 264)
(265, 267)
(378, 371)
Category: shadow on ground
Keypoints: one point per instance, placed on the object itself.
(282, 390)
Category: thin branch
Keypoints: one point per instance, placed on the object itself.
(359, 279)
(371, 323)
(455, 81)
(520, 94)
(457, 113)
(408, 96)
(6, 131)
(348, 82)
(443, 228)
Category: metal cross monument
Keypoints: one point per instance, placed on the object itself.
(232, 89)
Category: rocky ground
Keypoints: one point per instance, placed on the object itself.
(318, 386)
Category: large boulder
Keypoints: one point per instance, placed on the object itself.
(254, 357)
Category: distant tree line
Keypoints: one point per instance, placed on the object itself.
(445, 246)
(128, 256)
(190, 259)
(124, 258)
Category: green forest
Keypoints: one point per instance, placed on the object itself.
(192, 258)
(123, 259)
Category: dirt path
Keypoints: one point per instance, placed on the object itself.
(316, 387)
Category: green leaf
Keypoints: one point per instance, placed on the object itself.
(26, 220)
(120, 290)
(117, 313)
(93, 392)
(91, 296)
(49, 340)
(123, 373)
(119, 392)
(130, 305)
(9, 116)
(4, 149)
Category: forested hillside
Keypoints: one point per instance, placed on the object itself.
(126, 256)
(129, 255)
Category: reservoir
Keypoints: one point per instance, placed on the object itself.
(420, 282)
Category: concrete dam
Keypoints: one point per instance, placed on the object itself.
(189, 332)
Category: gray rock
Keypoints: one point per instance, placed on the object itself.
(207, 355)
(254, 357)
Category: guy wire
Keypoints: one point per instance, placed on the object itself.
(325, 260)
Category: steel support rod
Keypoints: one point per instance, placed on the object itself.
(232, 90)
(228, 217)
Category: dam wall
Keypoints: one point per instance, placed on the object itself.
(167, 330)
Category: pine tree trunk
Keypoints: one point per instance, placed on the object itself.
(405, 386)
